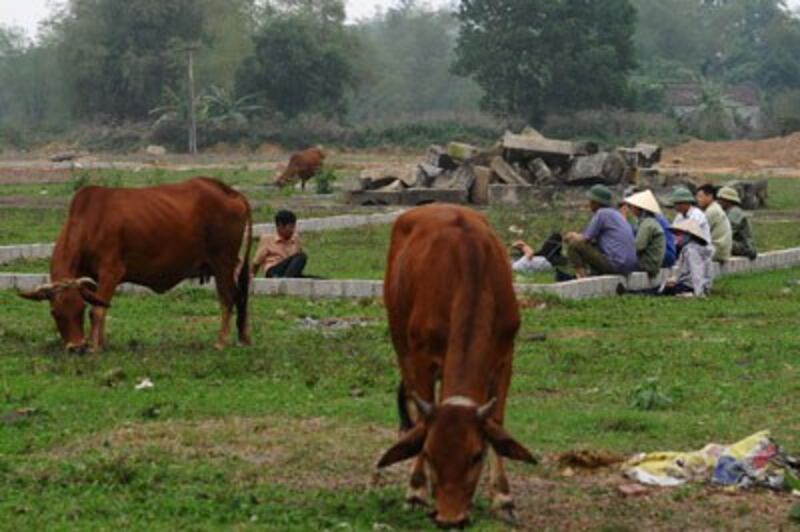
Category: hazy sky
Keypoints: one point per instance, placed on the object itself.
(28, 13)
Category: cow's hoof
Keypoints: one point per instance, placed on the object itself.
(507, 516)
(245, 341)
(219, 346)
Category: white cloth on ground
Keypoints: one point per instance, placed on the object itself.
(532, 264)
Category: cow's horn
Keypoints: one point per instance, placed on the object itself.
(424, 407)
(87, 282)
(486, 410)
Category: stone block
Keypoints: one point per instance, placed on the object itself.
(327, 289)
(480, 188)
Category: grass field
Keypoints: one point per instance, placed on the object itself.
(283, 434)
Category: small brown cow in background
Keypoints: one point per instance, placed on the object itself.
(303, 165)
(453, 317)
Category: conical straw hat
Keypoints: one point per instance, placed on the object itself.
(690, 227)
(644, 200)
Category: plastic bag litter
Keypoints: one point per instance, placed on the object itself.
(754, 461)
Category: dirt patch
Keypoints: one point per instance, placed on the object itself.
(322, 453)
(303, 454)
(780, 153)
(34, 175)
(573, 334)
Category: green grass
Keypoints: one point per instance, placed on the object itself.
(282, 435)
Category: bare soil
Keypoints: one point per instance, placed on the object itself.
(779, 156)
(321, 453)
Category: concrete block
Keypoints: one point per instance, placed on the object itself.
(328, 289)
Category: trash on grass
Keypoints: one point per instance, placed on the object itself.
(144, 384)
(754, 461)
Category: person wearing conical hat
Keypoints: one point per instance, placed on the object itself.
(650, 240)
(607, 244)
(693, 274)
(743, 242)
(683, 201)
(718, 223)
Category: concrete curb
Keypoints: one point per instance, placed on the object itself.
(311, 225)
(581, 289)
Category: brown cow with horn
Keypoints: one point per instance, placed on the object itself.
(154, 237)
(453, 317)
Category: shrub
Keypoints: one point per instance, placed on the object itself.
(613, 127)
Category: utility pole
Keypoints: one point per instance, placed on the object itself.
(190, 49)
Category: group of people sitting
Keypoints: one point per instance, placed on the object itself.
(634, 236)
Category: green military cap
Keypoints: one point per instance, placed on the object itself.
(682, 195)
(730, 194)
(600, 194)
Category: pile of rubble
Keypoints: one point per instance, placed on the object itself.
(461, 173)
(527, 167)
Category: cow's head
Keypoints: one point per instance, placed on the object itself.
(453, 439)
(68, 300)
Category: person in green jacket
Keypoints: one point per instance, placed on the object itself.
(721, 234)
(650, 240)
(743, 242)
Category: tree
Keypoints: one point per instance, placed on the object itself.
(534, 57)
(303, 60)
(407, 65)
(120, 55)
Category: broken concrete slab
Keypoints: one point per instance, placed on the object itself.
(642, 155)
(479, 194)
(603, 168)
(541, 172)
(538, 146)
(461, 151)
(438, 156)
(506, 173)
(461, 179)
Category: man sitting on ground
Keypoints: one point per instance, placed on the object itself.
(650, 240)
(607, 245)
(280, 253)
(721, 234)
(743, 242)
(683, 201)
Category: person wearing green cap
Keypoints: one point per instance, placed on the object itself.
(683, 201)
(607, 244)
(743, 242)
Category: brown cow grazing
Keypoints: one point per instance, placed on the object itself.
(453, 317)
(303, 165)
(155, 237)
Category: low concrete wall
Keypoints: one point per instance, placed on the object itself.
(43, 251)
(581, 289)
(25, 251)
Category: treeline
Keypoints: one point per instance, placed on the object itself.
(293, 71)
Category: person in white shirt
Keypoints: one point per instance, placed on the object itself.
(684, 203)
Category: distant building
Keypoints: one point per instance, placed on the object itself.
(743, 102)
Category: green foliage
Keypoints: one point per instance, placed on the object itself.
(406, 66)
(614, 127)
(648, 396)
(118, 56)
(325, 179)
(302, 63)
(536, 57)
(785, 111)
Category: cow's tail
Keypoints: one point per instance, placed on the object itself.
(243, 282)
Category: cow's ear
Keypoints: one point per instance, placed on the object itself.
(92, 298)
(408, 447)
(506, 446)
